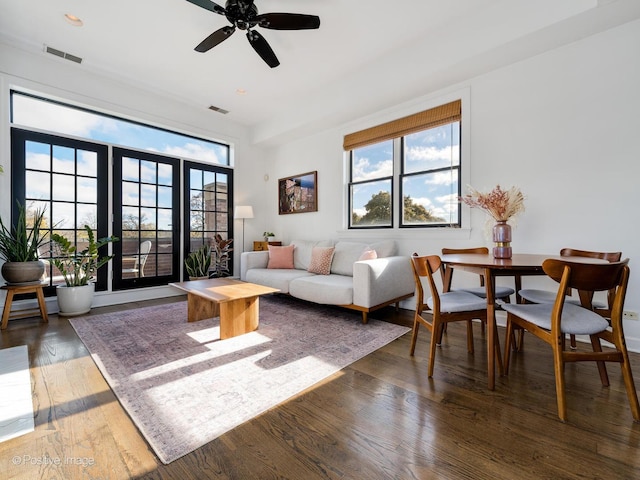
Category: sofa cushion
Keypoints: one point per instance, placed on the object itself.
(385, 248)
(280, 257)
(302, 251)
(345, 255)
(275, 278)
(321, 260)
(324, 289)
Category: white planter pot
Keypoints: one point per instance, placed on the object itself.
(75, 300)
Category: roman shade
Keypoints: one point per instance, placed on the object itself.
(434, 117)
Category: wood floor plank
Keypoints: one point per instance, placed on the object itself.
(379, 418)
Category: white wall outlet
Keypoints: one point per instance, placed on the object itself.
(629, 315)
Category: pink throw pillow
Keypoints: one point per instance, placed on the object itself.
(280, 257)
(368, 254)
(321, 258)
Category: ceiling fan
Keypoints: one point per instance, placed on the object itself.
(243, 14)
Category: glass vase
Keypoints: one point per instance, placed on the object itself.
(502, 240)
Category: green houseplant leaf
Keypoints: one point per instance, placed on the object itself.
(198, 262)
(21, 241)
(80, 267)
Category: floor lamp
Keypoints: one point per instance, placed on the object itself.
(244, 211)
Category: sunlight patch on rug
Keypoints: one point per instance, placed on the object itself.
(183, 387)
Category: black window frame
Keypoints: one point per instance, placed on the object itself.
(118, 283)
(19, 137)
(186, 240)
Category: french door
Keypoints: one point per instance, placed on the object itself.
(68, 178)
(146, 215)
(208, 194)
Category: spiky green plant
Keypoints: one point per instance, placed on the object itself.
(20, 242)
(198, 262)
(79, 267)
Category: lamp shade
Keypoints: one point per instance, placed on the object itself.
(244, 211)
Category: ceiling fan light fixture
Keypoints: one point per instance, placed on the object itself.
(243, 15)
(73, 20)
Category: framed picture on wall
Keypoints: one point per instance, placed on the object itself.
(298, 194)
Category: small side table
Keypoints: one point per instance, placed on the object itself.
(18, 289)
(264, 246)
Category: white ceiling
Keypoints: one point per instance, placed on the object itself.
(366, 55)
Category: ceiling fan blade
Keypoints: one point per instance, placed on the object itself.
(209, 5)
(288, 21)
(262, 48)
(215, 38)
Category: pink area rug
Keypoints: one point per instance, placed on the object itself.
(183, 387)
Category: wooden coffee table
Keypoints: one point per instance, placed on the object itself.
(236, 303)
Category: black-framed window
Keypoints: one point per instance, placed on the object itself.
(371, 186)
(430, 177)
(68, 178)
(417, 156)
(149, 252)
(146, 214)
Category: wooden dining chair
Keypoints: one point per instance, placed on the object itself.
(441, 307)
(547, 296)
(551, 322)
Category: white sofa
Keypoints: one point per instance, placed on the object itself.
(363, 285)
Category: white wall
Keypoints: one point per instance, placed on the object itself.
(562, 126)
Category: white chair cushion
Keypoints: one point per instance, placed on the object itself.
(546, 296)
(458, 302)
(575, 320)
(481, 292)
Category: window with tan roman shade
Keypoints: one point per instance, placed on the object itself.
(434, 117)
(406, 173)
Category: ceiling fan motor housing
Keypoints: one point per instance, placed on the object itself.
(241, 14)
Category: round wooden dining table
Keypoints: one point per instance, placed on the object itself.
(518, 265)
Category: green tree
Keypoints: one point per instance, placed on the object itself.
(416, 213)
(379, 211)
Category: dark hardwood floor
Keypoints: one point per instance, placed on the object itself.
(380, 418)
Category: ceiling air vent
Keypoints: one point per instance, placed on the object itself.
(61, 54)
(218, 109)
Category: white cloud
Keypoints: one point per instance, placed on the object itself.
(362, 169)
(432, 154)
(193, 150)
(440, 178)
(39, 114)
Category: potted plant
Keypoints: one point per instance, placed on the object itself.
(19, 246)
(221, 254)
(268, 236)
(198, 263)
(78, 268)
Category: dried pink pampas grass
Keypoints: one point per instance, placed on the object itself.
(500, 204)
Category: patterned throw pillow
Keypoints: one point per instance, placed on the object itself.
(321, 258)
(280, 257)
